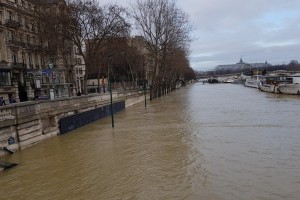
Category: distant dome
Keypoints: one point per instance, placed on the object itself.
(241, 61)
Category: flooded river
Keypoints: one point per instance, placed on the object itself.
(210, 142)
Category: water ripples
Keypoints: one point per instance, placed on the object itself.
(212, 142)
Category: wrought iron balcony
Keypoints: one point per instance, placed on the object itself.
(20, 66)
(13, 23)
(34, 47)
(15, 43)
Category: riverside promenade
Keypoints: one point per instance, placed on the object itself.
(27, 123)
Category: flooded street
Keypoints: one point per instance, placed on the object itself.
(210, 142)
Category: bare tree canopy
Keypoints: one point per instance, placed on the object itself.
(92, 24)
(165, 28)
(95, 32)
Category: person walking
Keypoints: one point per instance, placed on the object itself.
(2, 101)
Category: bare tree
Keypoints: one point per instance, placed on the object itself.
(56, 46)
(165, 28)
(91, 25)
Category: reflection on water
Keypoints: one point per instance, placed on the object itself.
(200, 142)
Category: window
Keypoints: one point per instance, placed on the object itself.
(42, 61)
(5, 79)
(24, 58)
(21, 37)
(33, 27)
(10, 16)
(14, 57)
(25, 22)
(30, 61)
(78, 61)
(80, 70)
(28, 39)
(20, 19)
(37, 62)
(51, 60)
(11, 35)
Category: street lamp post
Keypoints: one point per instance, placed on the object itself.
(110, 92)
(109, 86)
(145, 84)
(145, 93)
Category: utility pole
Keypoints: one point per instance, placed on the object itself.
(110, 92)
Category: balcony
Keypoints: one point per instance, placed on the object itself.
(34, 47)
(12, 23)
(15, 43)
(19, 44)
(4, 66)
(18, 66)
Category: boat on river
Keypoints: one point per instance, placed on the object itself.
(253, 81)
(271, 88)
(272, 83)
(291, 88)
(213, 80)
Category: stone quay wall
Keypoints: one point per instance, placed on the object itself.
(27, 123)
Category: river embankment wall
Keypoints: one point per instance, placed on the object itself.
(27, 123)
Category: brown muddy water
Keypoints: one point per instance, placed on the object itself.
(210, 142)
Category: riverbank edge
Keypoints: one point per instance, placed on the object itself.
(26, 124)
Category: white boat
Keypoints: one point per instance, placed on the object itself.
(253, 81)
(272, 83)
(228, 80)
(268, 87)
(291, 88)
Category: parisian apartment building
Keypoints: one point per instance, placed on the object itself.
(26, 71)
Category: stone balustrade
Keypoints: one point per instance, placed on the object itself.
(24, 124)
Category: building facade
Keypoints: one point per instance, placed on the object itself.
(242, 65)
(27, 71)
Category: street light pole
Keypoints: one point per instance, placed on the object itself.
(109, 86)
(110, 92)
(144, 84)
(145, 93)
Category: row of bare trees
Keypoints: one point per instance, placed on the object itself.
(101, 31)
(166, 30)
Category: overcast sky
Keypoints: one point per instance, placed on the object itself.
(226, 30)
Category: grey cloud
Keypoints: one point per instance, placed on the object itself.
(225, 30)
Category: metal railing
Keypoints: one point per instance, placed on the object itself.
(17, 65)
(12, 23)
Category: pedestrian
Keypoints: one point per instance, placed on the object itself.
(2, 101)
